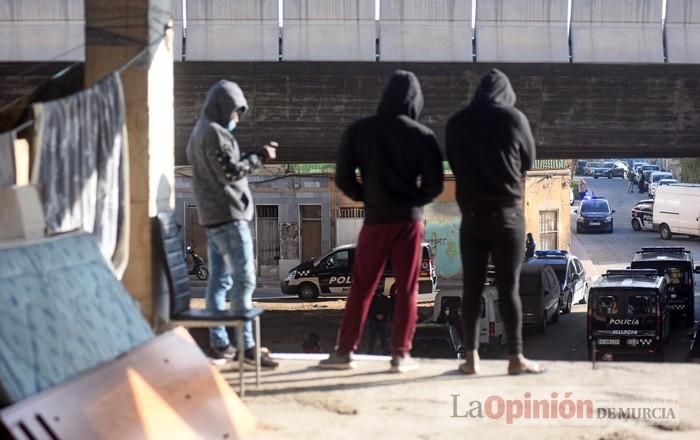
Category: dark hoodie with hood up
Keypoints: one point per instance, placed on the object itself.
(219, 171)
(399, 159)
(490, 146)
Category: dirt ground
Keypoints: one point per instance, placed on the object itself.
(287, 323)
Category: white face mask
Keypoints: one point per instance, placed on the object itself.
(231, 125)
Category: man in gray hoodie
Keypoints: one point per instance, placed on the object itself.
(224, 207)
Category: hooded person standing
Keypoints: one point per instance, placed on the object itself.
(400, 168)
(224, 208)
(490, 147)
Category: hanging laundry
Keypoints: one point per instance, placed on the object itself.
(80, 165)
(7, 159)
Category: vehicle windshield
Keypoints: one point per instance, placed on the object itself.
(658, 177)
(650, 167)
(663, 182)
(595, 206)
(622, 303)
(608, 164)
(593, 164)
(558, 266)
(676, 273)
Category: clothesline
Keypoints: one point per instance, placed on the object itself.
(119, 70)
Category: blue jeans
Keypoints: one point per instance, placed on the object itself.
(231, 271)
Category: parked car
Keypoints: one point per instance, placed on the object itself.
(594, 214)
(331, 274)
(677, 210)
(642, 215)
(663, 182)
(540, 295)
(637, 165)
(628, 315)
(676, 265)
(640, 172)
(655, 178)
(615, 169)
(604, 170)
(590, 166)
(442, 334)
(572, 277)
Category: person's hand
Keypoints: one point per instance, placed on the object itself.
(270, 150)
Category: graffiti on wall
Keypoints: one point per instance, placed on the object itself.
(289, 240)
(443, 237)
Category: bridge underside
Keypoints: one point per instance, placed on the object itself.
(576, 110)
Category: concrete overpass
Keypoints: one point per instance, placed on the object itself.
(596, 79)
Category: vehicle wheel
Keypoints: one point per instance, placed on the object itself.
(595, 177)
(659, 356)
(543, 326)
(202, 273)
(555, 318)
(636, 224)
(609, 176)
(610, 231)
(578, 229)
(665, 232)
(308, 291)
(569, 303)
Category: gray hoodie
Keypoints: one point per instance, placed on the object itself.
(219, 171)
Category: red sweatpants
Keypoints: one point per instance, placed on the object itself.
(377, 242)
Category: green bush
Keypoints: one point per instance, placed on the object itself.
(690, 170)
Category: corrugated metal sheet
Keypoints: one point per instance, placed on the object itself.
(551, 164)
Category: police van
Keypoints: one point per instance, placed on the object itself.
(331, 274)
(628, 315)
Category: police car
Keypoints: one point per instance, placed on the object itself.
(331, 274)
(642, 215)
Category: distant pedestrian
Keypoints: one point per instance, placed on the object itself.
(630, 182)
(530, 246)
(490, 147)
(378, 326)
(400, 168)
(582, 189)
(641, 182)
(312, 344)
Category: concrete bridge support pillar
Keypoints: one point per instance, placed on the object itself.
(115, 32)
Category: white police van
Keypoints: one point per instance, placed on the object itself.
(331, 274)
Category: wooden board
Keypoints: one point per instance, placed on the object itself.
(163, 389)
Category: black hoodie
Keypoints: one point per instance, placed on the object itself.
(392, 151)
(490, 146)
(219, 171)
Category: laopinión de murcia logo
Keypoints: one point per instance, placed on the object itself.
(566, 407)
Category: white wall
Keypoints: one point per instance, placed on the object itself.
(683, 31)
(617, 31)
(329, 30)
(425, 30)
(522, 31)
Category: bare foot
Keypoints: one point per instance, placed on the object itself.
(471, 364)
(519, 364)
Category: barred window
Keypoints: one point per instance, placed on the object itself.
(351, 212)
(549, 230)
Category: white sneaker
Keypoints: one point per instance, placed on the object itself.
(337, 362)
(403, 364)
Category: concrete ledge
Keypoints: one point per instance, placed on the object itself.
(300, 401)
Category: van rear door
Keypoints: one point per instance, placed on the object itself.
(626, 319)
